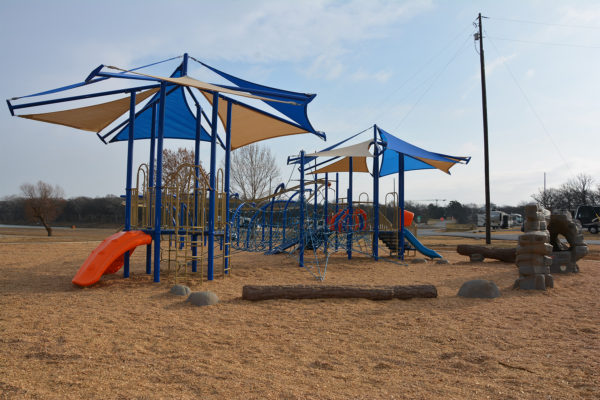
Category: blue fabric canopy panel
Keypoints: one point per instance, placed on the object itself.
(180, 122)
(415, 158)
(296, 112)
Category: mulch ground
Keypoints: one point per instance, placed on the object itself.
(131, 339)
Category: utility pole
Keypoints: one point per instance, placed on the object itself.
(479, 36)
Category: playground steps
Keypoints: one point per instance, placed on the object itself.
(390, 239)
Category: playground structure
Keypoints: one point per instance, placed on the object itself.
(186, 221)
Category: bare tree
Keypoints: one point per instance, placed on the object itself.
(550, 199)
(580, 190)
(253, 170)
(575, 192)
(172, 161)
(43, 202)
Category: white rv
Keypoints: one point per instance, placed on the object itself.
(498, 219)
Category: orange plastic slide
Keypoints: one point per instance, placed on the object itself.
(109, 256)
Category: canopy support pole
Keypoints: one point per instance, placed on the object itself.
(129, 179)
(325, 222)
(213, 167)
(227, 185)
(401, 204)
(158, 185)
(315, 205)
(301, 230)
(337, 207)
(184, 64)
(350, 216)
(197, 177)
(375, 195)
(150, 186)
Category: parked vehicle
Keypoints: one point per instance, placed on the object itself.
(498, 219)
(586, 214)
(594, 226)
(516, 219)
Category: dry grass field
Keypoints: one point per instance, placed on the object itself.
(131, 339)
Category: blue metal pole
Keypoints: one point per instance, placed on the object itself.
(301, 227)
(326, 197)
(325, 224)
(271, 224)
(227, 187)
(184, 64)
(375, 196)
(129, 178)
(151, 185)
(197, 177)
(213, 171)
(337, 206)
(401, 201)
(315, 205)
(350, 217)
(158, 184)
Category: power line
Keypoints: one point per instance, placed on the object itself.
(523, 21)
(419, 70)
(548, 43)
(530, 105)
(460, 49)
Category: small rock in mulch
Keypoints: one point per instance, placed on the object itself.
(180, 290)
(476, 257)
(479, 289)
(418, 261)
(203, 298)
(441, 261)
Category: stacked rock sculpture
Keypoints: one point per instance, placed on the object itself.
(534, 251)
(564, 258)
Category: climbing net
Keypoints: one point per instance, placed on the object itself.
(274, 227)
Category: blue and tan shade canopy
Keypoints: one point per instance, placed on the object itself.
(415, 158)
(248, 125)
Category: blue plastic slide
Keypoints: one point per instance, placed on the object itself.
(419, 246)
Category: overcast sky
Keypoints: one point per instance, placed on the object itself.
(409, 66)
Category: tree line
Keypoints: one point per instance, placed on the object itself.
(577, 191)
(253, 174)
(107, 211)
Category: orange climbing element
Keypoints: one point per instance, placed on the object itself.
(109, 256)
(338, 220)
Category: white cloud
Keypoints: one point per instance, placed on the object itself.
(581, 16)
(491, 66)
(328, 66)
(380, 76)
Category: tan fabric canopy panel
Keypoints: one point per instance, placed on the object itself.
(441, 165)
(91, 118)
(195, 83)
(250, 126)
(359, 164)
(355, 150)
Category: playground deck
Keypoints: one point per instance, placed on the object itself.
(128, 338)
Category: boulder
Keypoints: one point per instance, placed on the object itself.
(203, 298)
(479, 289)
(180, 290)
